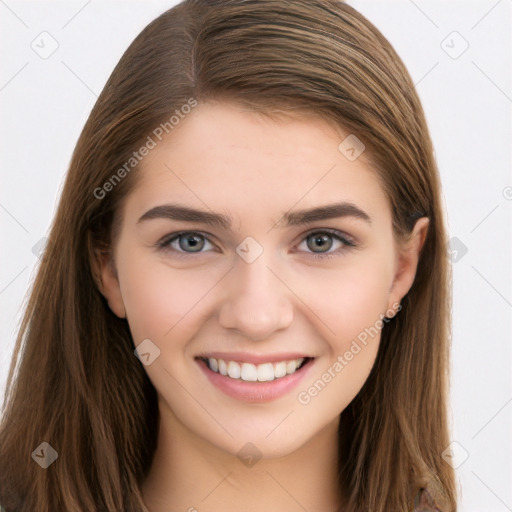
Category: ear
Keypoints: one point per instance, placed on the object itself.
(407, 262)
(105, 274)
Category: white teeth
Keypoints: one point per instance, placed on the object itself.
(214, 365)
(223, 368)
(234, 370)
(252, 373)
(291, 366)
(249, 372)
(280, 369)
(265, 372)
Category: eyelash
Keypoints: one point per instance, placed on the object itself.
(347, 242)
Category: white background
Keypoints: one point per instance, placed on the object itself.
(467, 98)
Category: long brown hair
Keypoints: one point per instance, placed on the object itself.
(74, 381)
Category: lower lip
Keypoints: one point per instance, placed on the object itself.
(255, 391)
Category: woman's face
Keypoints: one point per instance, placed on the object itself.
(288, 259)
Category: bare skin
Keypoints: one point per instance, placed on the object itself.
(196, 298)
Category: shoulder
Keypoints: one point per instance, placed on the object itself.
(424, 502)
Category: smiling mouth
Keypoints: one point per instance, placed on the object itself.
(249, 372)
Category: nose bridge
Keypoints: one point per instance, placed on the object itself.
(257, 303)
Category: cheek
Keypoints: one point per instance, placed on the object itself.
(351, 305)
(158, 298)
(347, 299)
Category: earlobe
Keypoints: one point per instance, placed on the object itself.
(407, 261)
(106, 278)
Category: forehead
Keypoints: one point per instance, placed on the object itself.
(227, 158)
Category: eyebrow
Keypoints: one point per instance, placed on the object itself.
(297, 218)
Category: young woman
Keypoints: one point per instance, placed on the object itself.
(294, 356)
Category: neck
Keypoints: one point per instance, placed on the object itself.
(190, 474)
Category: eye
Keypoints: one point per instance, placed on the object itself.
(185, 242)
(324, 240)
(190, 242)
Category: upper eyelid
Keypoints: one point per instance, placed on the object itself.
(330, 231)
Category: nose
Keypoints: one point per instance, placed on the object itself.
(257, 302)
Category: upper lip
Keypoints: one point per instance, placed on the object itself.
(245, 357)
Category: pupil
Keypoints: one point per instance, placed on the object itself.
(322, 241)
(194, 242)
